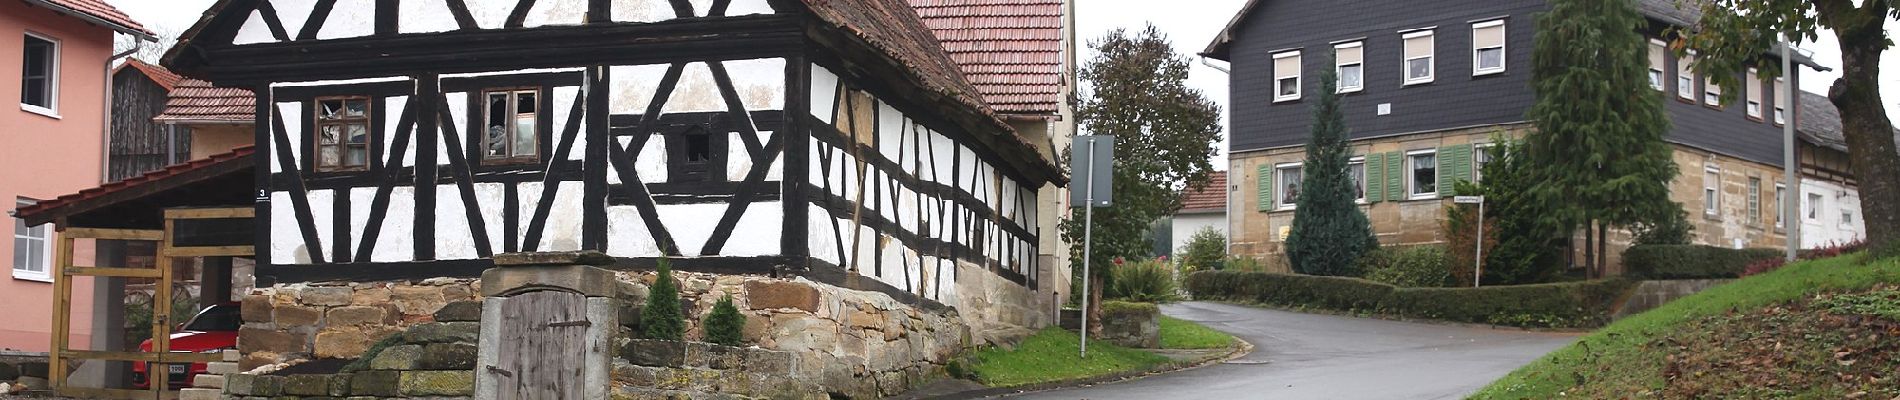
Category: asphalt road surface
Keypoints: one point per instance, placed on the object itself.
(1311, 356)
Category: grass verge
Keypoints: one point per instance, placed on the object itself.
(1050, 356)
(1177, 333)
(1647, 354)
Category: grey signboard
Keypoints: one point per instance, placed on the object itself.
(1091, 169)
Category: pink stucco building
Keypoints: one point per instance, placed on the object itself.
(54, 55)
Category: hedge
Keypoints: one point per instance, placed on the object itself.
(1691, 261)
(1558, 305)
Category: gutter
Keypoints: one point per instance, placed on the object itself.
(105, 128)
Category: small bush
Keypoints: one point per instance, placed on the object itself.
(1569, 304)
(1692, 261)
(663, 318)
(724, 325)
(1206, 250)
(1415, 266)
(1829, 251)
(1144, 281)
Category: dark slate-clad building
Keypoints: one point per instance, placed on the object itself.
(1427, 85)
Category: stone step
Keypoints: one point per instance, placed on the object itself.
(200, 394)
(208, 381)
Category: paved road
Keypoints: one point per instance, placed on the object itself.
(1310, 356)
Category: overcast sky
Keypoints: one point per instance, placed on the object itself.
(1189, 27)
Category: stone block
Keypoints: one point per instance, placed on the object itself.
(557, 258)
(437, 383)
(222, 367)
(417, 300)
(212, 381)
(271, 340)
(460, 311)
(630, 315)
(35, 369)
(239, 384)
(589, 281)
(356, 316)
(371, 294)
(231, 355)
(654, 353)
(307, 385)
(765, 295)
(403, 357)
(444, 332)
(255, 308)
(199, 394)
(295, 316)
(777, 363)
(446, 356)
(376, 383)
(326, 296)
(721, 357)
(267, 385)
(343, 343)
(800, 333)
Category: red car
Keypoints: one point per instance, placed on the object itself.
(213, 330)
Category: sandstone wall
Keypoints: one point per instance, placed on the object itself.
(338, 320)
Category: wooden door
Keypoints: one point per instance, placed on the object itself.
(543, 346)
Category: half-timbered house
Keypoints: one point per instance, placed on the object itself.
(832, 142)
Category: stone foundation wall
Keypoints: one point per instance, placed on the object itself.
(286, 323)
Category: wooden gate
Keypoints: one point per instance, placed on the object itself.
(205, 233)
(543, 346)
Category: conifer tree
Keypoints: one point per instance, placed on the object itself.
(724, 325)
(1329, 232)
(662, 318)
(1597, 154)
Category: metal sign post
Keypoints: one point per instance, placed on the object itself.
(1477, 267)
(1095, 163)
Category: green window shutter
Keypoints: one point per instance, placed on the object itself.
(1454, 164)
(1463, 164)
(1394, 182)
(1264, 180)
(1375, 177)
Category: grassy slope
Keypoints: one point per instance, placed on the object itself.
(1614, 357)
(1181, 334)
(1050, 355)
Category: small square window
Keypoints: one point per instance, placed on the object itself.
(1357, 169)
(1424, 167)
(32, 248)
(1418, 57)
(343, 133)
(1350, 60)
(1286, 76)
(511, 133)
(39, 74)
(1287, 187)
(1814, 206)
(1685, 77)
(1487, 46)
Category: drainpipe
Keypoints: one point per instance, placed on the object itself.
(1227, 193)
(105, 129)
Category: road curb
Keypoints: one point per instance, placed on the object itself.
(1241, 349)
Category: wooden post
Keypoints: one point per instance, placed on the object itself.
(62, 310)
(159, 374)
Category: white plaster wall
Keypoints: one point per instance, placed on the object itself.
(292, 115)
(758, 232)
(824, 92)
(458, 121)
(1827, 227)
(392, 121)
(490, 14)
(293, 13)
(696, 91)
(419, 16)
(453, 238)
(822, 243)
(286, 245)
(563, 229)
(321, 202)
(760, 82)
(397, 240)
(349, 18)
(691, 224)
(254, 31)
(564, 98)
(641, 10)
(556, 12)
(632, 86)
(490, 200)
(629, 237)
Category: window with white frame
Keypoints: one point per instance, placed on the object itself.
(1418, 56)
(1286, 76)
(32, 248)
(39, 74)
(1753, 83)
(1847, 218)
(1711, 92)
(1754, 200)
(1351, 64)
(1814, 206)
(1286, 192)
(1658, 54)
(1685, 77)
(1711, 190)
(1781, 101)
(1423, 165)
(1357, 169)
(1480, 156)
(1781, 203)
(1487, 47)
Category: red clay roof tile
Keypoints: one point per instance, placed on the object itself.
(194, 100)
(1211, 198)
(1011, 50)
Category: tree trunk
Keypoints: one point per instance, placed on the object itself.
(1870, 136)
(1603, 252)
(1095, 306)
(1589, 249)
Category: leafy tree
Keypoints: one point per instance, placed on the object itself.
(1164, 133)
(1329, 232)
(1206, 250)
(1523, 241)
(1675, 229)
(663, 318)
(725, 325)
(1597, 155)
(1734, 34)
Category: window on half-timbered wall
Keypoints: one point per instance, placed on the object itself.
(510, 128)
(342, 141)
(693, 152)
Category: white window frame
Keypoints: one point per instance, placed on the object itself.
(1711, 190)
(1781, 204)
(1360, 189)
(1279, 76)
(52, 77)
(1814, 205)
(1279, 184)
(1661, 74)
(1682, 66)
(1751, 88)
(1754, 200)
(1339, 68)
(1431, 57)
(1847, 218)
(1711, 92)
(1503, 43)
(1783, 96)
(1480, 150)
(1411, 185)
(45, 273)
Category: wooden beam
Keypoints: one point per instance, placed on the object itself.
(210, 213)
(212, 251)
(169, 358)
(112, 272)
(112, 234)
(62, 311)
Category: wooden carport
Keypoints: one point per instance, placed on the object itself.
(200, 208)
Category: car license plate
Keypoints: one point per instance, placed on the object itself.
(176, 369)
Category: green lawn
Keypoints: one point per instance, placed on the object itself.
(1621, 359)
(1180, 334)
(1049, 356)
